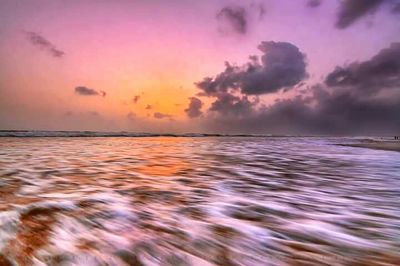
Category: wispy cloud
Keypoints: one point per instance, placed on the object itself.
(42, 43)
(352, 10)
(233, 18)
(313, 3)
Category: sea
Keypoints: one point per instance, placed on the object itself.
(88, 198)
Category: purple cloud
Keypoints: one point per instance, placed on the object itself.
(43, 44)
(352, 10)
(194, 109)
(85, 91)
(233, 18)
(159, 115)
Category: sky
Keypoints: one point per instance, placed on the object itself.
(260, 67)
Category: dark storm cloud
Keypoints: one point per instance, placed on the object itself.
(352, 10)
(325, 112)
(85, 91)
(346, 112)
(231, 105)
(381, 71)
(43, 44)
(396, 8)
(362, 98)
(282, 65)
(194, 109)
(159, 115)
(136, 98)
(235, 17)
(313, 3)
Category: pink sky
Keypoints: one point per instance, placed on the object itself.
(157, 50)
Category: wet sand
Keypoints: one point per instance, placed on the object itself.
(377, 145)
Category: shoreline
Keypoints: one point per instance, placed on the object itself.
(376, 145)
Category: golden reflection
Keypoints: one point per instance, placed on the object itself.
(163, 164)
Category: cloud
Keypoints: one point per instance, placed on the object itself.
(149, 107)
(136, 99)
(81, 90)
(231, 105)
(313, 3)
(325, 112)
(94, 113)
(259, 8)
(237, 20)
(282, 65)
(159, 115)
(380, 72)
(131, 116)
(85, 91)
(43, 44)
(233, 19)
(361, 98)
(343, 111)
(396, 8)
(352, 10)
(194, 109)
(236, 89)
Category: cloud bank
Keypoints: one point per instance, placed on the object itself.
(359, 98)
(382, 71)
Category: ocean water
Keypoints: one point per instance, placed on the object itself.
(197, 201)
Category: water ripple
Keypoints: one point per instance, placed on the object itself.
(197, 201)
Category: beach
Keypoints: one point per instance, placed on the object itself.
(388, 145)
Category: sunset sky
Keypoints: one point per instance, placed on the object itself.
(263, 66)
